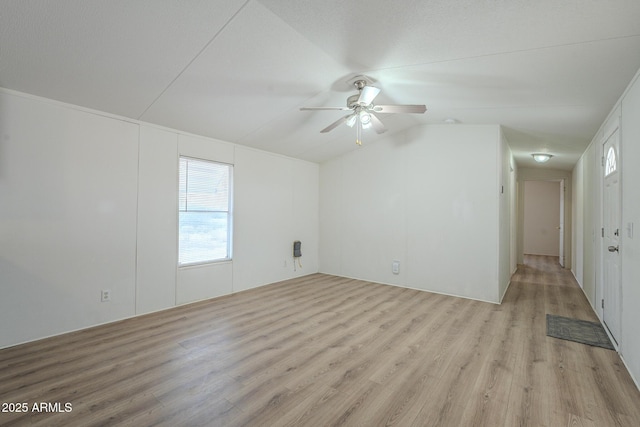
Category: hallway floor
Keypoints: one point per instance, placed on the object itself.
(589, 385)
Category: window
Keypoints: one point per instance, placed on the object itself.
(610, 165)
(204, 211)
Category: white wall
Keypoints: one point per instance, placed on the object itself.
(630, 244)
(68, 195)
(507, 216)
(577, 213)
(541, 218)
(89, 202)
(589, 228)
(625, 114)
(428, 198)
(158, 213)
(585, 228)
(276, 202)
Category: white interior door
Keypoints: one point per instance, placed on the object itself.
(561, 226)
(612, 286)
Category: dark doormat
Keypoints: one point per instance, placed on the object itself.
(581, 331)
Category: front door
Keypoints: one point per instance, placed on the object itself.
(612, 285)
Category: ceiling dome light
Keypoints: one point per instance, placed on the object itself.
(541, 157)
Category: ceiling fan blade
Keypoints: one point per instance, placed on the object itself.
(337, 123)
(377, 125)
(400, 109)
(367, 94)
(324, 108)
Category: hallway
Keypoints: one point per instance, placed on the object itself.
(562, 295)
(560, 380)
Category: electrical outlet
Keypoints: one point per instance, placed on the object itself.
(105, 295)
(395, 267)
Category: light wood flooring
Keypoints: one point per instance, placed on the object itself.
(324, 350)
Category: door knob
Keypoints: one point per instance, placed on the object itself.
(613, 248)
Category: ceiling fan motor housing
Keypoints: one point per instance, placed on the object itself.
(352, 101)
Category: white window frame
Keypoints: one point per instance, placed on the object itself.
(185, 209)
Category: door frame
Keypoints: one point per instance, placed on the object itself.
(561, 258)
(613, 127)
(540, 174)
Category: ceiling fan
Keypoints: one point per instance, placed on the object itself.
(363, 110)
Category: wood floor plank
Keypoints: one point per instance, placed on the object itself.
(327, 350)
(490, 393)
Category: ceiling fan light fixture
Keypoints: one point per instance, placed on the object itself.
(363, 110)
(365, 119)
(541, 157)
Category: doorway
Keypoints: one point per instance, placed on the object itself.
(543, 220)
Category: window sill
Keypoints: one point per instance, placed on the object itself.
(205, 263)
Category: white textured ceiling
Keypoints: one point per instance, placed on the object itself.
(548, 71)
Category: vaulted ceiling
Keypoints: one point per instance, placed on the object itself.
(549, 71)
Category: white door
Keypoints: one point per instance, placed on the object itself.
(612, 286)
(561, 226)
